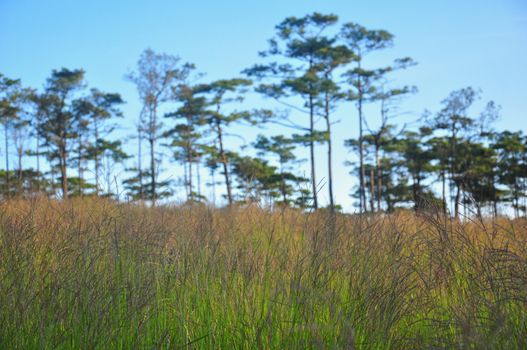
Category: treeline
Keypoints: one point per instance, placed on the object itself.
(313, 65)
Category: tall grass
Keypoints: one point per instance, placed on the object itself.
(92, 274)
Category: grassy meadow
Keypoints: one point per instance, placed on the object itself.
(94, 274)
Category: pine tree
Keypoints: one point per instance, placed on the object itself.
(454, 120)
(299, 42)
(218, 94)
(9, 110)
(155, 75)
(256, 178)
(101, 109)
(511, 151)
(364, 82)
(282, 148)
(58, 128)
(329, 59)
(186, 134)
(417, 160)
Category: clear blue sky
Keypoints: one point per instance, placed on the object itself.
(456, 43)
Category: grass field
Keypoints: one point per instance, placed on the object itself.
(92, 274)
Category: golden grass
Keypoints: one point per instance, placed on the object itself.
(91, 273)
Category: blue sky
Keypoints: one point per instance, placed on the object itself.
(456, 43)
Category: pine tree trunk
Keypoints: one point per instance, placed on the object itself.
(198, 175)
(516, 199)
(8, 180)
(190, 160)
(20, 154)
(223, 158)
(282, 183)
(52, 171)
(152, 140)
(97, 160)
(494, 196)
(362, 172)
(312, 151)
(379, 177)
(456, 203)
(330, 162)
(415, 193)
(443, 191)
(79, 168)
(139, 167)
(372, 190)
(152, 171)
(63, 171)
(185, 178)
(38, 162)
